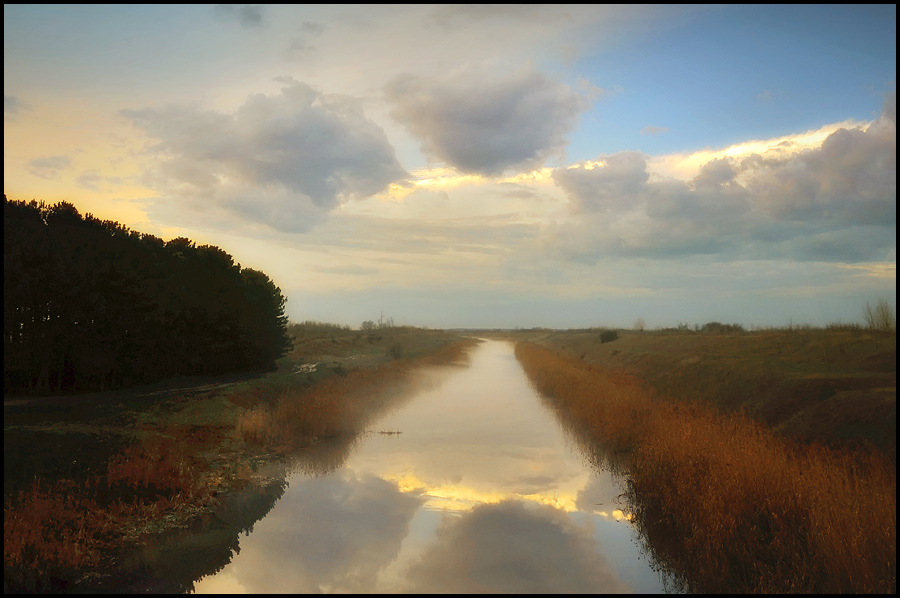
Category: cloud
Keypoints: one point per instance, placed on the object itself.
(513, 548)
(48, 167)
(654, 130)
(614, 183)
(329, 534)
(301, 43)
(94, 181)
(248, 15)
(12, 105)
(349, 270)
(283, 160)
(479, 121)
(835, 202)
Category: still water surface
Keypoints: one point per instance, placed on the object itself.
(482, 491)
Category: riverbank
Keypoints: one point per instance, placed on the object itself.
(88, 480)
(723, 502)
(829, 386)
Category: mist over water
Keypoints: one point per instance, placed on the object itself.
(480, 491)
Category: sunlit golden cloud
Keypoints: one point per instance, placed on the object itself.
(685, 166)
(886, 270)
(459, 497)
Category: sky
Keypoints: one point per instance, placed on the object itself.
(482, 166)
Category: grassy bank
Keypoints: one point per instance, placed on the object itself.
(831, 386)
(722, 501)
(88, 479)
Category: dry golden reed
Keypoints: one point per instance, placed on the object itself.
(723, 502)
(336, 406)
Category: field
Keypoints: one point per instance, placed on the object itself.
(95, 484)
(836, 387)
(757, 463)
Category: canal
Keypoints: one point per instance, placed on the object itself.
(471, 485)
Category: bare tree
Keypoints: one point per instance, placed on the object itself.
(639, 324)
(881, 317)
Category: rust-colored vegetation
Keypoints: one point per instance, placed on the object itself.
(336, 406)
(723, 502)
(834, 385)
(65, 535)
(57, 535)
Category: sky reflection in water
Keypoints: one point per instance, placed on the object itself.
(481, 492)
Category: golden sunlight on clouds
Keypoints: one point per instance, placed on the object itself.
(617, 514)
(885, 270)
(439, 179)
(587, 165)
(455, 497)
(686, 166)
(443, 178)
(396, 192)
(542, 175)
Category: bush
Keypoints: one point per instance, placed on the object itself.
(608, 336)
(719, 328)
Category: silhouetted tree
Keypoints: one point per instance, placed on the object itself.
(91, 305)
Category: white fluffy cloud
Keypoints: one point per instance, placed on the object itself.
(479, 121)
(283, 160)
(836, 202)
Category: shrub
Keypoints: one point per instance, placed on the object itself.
(719, 328)
(608, 336)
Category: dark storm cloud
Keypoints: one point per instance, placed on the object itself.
(833, 203)
(513, 548)
(284, 160)
(48, 167)
(484, 123)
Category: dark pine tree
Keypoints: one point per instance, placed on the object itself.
(92, 305)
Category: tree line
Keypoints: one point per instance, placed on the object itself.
(90, 305)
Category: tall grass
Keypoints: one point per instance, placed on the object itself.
(56, 534)
(336, 406)
(724, 503)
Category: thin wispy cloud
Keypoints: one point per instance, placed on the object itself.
(12, 106)
(48, 167)
(654, 130)
(248, 15)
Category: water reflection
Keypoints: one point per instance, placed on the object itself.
(514, 547)
(480, 492)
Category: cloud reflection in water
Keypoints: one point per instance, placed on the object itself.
(513, 547)
(482, 492)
